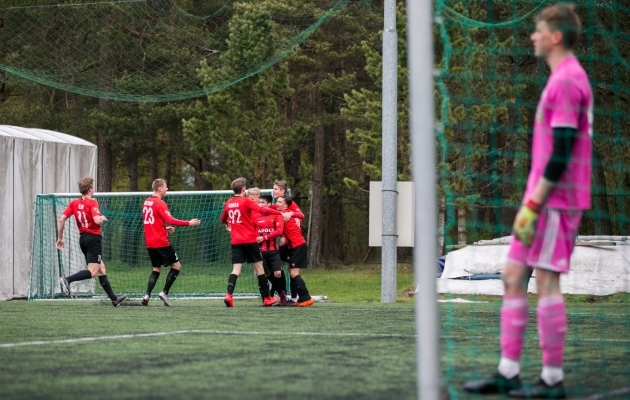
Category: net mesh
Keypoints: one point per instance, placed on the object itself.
(488, 84)
(153, 50)
(204, 251)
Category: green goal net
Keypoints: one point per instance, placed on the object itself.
(204, 250)
(488, 84)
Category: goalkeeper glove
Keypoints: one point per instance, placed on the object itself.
(525, 222)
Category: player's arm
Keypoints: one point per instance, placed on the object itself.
(162, 209)
(224, 215)
(257, 208)
(62, 223)
(277, 231)
(98, 218)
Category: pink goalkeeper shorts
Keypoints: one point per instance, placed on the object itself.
(553, 241)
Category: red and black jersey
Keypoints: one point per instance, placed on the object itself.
(84, 211)
(293, 232)
(297, 213)
(270, 227)
(155, 216)
(239, 213)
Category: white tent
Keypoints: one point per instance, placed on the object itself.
(32, 162)
(599, 266)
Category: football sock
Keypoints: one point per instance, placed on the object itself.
(231, 283)
(552, 331)
(282, 282)
(552, 375)
(293, 288)
(79, 276)
(152, 281)
(263, 285)
(301, 288)
(107, 287)
(514, 315)
(170, 279)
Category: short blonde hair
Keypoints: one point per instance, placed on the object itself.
(238, 184)
(85, 184)
(281, 184)
(158, 183)
(253, 193)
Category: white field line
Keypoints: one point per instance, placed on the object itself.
(612, 393)
(260, 333)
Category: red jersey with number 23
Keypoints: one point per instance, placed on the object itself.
(84, 210)
(155, 216)
(239, 212)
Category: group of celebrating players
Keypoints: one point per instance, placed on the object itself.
(262, 234)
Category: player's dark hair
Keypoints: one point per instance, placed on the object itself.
(85, 184)
(287, 199)
(267, 197)
(562, 17)
(238, 184)
(158, 183)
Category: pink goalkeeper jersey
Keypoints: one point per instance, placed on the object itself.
(567, 101)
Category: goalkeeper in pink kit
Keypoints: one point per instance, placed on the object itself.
(546, 226)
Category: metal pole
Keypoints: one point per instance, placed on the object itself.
(390, 153)
(421, 103)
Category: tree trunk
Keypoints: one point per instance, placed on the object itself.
(317, 197)
(132, 169)
(202, 166)
(441, 223)
(461, 225)
(602, 222)
(154, 165)
(507, 187)
(168, 162)
(104, 183)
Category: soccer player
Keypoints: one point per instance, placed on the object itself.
(294, 241)
(545, 228)
(238, 212)
(155, 216)
(270, 227)
(280, 189)
(89, 220)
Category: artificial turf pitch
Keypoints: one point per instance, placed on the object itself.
(203, 350)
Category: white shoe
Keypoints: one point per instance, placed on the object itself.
(164, 297)
(145, 300)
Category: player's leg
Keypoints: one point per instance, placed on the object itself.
(298, 261)
(254, 257)
(156, 261)
(170, 258)
(285, 257)
(102, 278)
(238, 258)
(277, 276)
(514, 316)
(85, 242)
(551, 311)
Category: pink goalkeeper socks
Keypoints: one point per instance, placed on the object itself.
(552, 329)
(514, 314)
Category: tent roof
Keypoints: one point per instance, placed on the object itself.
(42, 134)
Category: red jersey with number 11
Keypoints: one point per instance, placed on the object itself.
(155, 216)
(84, 210)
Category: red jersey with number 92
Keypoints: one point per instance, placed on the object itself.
(84, 210)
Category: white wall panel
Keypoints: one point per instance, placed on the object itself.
(6, 216)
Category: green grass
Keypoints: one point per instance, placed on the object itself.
(350, 348)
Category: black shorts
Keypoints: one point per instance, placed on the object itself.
(298, 256)
(246, 253)
(164, 256)
(285, 254)
(271, 261)
(91, 248)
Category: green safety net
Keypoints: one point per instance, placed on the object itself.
(152, 50)
(488, 84)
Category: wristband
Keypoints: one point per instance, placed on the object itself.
(532, 205)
